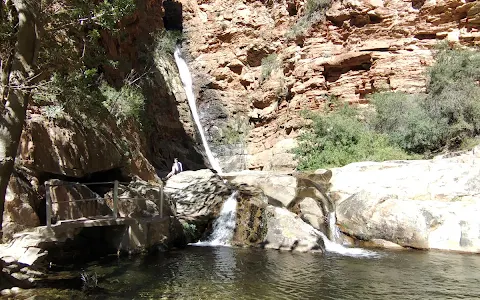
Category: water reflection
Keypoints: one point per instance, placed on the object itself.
(231, 273)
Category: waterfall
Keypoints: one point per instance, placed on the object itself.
(186, 78)
(332, 241)
(331, 246)
(224, 225)
(333, 230)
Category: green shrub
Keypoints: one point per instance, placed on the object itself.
(80, 94)
(269, 64)
(408, 125)
(53, 112)
(77, 92)
(402, 125)
(313, 7)
(233, 132)
(338, 138)
(314, 12)
(454, 93)
(190, 231)
(128, 102)
(167, 40)
(443, 118)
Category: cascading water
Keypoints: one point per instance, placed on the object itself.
(186, 78)
(333, 230)
(224, 225)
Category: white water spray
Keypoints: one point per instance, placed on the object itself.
(224, 225)
(337, 248)
(186, 78)
(334, 231)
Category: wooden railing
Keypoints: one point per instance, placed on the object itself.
(115, 183)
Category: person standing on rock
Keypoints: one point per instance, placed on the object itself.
(177, 167)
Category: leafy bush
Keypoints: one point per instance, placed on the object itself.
(76, 91)
(53, 112)
(233, 132)
(408, 125)
(128, 102)
(167, 40)
(454, 93)
(269, 64)
(313, 7)
(445, 117)
(83, 94)
(402, 126)
(190, 231)
(314, 12)
(338, 138)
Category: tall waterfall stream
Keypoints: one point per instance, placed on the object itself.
(186, 78)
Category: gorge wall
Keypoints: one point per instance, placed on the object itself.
(362, 47)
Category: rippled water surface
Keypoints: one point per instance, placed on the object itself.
(230, 273)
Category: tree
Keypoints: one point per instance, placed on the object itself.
(17, 62)
(28, 30)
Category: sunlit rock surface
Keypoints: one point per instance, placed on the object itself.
(429, 204)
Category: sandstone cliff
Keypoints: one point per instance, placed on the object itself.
(362, 47)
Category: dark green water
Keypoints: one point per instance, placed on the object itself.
(229, 273)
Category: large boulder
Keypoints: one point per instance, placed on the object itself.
(198, 195)
(21, 202)
(286, 231)
(439, 179)
(430, 204)
(420, 224)
(259, 224)
(140, 199)
(279, 188)
(67, 147)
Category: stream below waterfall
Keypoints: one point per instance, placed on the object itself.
(242, 273)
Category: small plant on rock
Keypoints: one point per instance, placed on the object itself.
(269, 64)
(167, 40)
(90, 282)
(190, 231)
(314, 12)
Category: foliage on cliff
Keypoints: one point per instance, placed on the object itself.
(338, 138)
(314, 12)
(49, 49)
(444, 118)
(402, 125)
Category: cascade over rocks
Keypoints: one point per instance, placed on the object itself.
(426, 204)
(198, 195)
(301, 193)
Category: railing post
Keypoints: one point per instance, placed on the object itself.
(161, 200)
(115, 198)
(48, 204)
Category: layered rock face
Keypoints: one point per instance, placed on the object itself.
(363, 47)
(429, 204)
